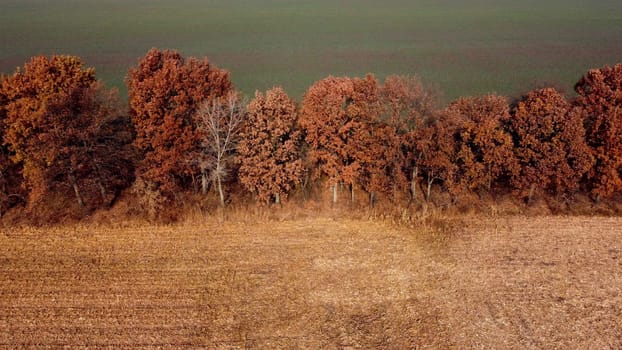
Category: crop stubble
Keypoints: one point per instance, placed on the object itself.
(509, 282)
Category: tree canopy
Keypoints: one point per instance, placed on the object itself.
(270, 147)
(62, 127)
(599, 102)
(69, 145)
(165, 92)
(550, 145)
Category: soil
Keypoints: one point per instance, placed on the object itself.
(316, 283)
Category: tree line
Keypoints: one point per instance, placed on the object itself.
(69, 144)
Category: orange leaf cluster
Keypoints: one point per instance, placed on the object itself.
(550, 147)
(483, 150)
(270, 149)
(599, 102)
(65, 132)
(348, 141)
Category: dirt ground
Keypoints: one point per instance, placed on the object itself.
(477, 283)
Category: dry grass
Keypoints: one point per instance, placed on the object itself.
(504, 283)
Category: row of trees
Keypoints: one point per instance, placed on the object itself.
(187, 131)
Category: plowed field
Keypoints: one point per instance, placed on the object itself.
(502, 283)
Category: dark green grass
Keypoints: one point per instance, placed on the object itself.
(466, 47)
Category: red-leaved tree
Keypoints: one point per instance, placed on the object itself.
(270, 148)
(483, 148)
(599, 102)
(58, 128)
(438, 147)
(165, 93)
(408, 107)
(338, 117)
(549, 144)
(11, 192)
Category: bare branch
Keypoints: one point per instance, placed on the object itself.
(220, 122)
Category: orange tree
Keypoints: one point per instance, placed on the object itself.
(549, 144)
(165, 92)
(380, 158)
(438, 146)
(10, 172)
(376, 144)
(55, 128)
(599, 102)
(483, 149)
(269, 151)
(407, 108)
(340, 119)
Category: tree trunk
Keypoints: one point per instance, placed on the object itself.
(102, 190)
(334, 194)
(98, 180)
(304, 186)
(204, 181)
(220, 192)
(429, 188)
(413, 184)
(76, 189)
(4, 192)
(531, 191)
(277, 198)
(3, 181)
(352, 193)
(372, 198)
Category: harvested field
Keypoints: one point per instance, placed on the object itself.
(502, 283)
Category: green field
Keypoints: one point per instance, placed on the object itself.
(466, 47)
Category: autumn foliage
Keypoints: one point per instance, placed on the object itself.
(483, 149)
(68, 146)
(66, 133)
(550, 144)
(11, 179)
(165, 93)
(270, 148)
(599, 103)
(346, 140)
(408, 108)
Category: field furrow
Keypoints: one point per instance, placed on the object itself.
(504, 283)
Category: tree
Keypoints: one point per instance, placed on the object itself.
(270, 148)
(373, 144)
(549, 144)
(55, 117)
(438, 147)
(379, 157)
(599, 102)
(483, 148)
(10, 173)
(165, 93)
(220, 122)
(336, 116)
(408, 107)
(105, 157)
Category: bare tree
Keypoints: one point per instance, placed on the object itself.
(220, 122)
